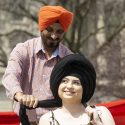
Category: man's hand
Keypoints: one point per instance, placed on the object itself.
(94, 116)
(28, 100)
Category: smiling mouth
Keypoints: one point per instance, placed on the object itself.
(69, 92)
(52, 41)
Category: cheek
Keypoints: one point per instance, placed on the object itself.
(44, 34)
(80, 92)
(61, 36)
(60, 91)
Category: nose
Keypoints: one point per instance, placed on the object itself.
(54, 36)
(69, 85)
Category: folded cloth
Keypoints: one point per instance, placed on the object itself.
(51, 14)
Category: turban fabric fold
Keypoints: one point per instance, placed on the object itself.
(51, 14)
(74, 65)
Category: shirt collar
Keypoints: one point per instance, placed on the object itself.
(39, 47)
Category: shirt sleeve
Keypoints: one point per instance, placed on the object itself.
(12, 79)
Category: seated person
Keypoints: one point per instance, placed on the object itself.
(72, 82)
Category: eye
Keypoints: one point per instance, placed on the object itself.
(64, 81)
(60, 31)
(77, 83)
(49, 29)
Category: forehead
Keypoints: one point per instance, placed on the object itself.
(72, 78)
(56, 26)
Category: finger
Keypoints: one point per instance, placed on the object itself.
(35, 103)
(92, 113)
(18, 96)
(91, 117)
(32, 101)
(89, 110)
(96, 116)
(28, 100)
(20, 99)
(24, 98)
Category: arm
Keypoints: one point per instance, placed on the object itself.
(13, 77)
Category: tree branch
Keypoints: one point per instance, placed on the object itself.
(3, 60)
(90, 34)
(109, 40)
(117, 31)
(17, 30)
(28, 13)
(40, 1)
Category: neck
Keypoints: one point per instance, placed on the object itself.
(49, 51)
(73, 109)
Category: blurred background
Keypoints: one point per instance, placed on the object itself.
(97, 31)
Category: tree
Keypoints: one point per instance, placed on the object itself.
(97, 31)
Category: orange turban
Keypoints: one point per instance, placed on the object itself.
(50, 14)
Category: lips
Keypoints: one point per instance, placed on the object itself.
(69, 92)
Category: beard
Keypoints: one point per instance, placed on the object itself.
(52, 43)
(48, 42)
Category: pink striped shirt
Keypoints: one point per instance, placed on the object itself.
(28, 71)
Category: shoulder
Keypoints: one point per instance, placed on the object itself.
(44, 119)
(46, 116)
(64, 50)
(29, 42)
(105, 115)
(26, 47)
(102, 108)
(62, 46)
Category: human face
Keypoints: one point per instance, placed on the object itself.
(52, 36)
(70, 89)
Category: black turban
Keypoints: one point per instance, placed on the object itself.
(74, 65)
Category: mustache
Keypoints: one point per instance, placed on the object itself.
(50, 38)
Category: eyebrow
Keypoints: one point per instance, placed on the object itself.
(73, 79)
(57, 29)
(49, 27)
(64, 78)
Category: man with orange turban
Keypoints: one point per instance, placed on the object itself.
(26, 78)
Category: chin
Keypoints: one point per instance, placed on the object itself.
(53, 45)
(69, 97)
